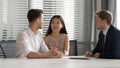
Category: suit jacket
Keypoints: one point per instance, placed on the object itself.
(111, 49)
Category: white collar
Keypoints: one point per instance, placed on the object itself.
(31, 32)
(105, 32)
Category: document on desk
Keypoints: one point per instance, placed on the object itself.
(79, 57)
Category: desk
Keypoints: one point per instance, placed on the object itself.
(59, 63)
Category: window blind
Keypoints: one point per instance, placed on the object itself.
(65, 8)
(13, 18)
(77, 15)
(3, 19)
(118, 13)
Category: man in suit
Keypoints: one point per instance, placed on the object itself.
(108, 45)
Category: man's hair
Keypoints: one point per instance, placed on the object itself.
(33, 14)
(105, 15)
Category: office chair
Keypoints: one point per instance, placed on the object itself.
(2, 53)
(73, 48)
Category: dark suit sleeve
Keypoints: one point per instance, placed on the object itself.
(98, 46)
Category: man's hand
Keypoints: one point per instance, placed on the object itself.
(88, 54)
(96, 55)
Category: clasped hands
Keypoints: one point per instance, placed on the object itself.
(90, 54)
(56, 53)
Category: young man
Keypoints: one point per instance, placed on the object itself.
(108, 45)
(29, 43)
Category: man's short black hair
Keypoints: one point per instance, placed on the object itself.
(33, 14)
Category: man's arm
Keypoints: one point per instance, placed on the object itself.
(53, 53)
(98, 46)
(35, 55)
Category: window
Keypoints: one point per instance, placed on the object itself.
(118, 14)
(77, 15)
(78, 19)
(12, 18)
(3, 19)
(65, 8)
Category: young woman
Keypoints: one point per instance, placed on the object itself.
(56, 35)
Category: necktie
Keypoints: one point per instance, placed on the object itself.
(102, 40)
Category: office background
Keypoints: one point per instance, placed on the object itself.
(78, 16)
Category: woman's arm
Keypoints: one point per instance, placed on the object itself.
(66, 46)
(46, 41)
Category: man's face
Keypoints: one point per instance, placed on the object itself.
(99, 22)
(40, 22)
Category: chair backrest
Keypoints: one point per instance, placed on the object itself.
(8, 48)
(2, 52)
(73, 48)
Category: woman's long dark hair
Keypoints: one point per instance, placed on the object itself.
(63, 30)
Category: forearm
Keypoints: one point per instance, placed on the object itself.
(34, 55)
(66, 46)
(66, 51)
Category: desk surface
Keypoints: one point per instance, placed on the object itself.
(59, 63)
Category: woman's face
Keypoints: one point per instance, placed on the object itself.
(56, 25)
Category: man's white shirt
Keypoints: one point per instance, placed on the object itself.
(27, 41)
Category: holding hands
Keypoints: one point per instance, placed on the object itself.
(55, 53)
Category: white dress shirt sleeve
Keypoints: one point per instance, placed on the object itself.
(22, 45)
(43, 47)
